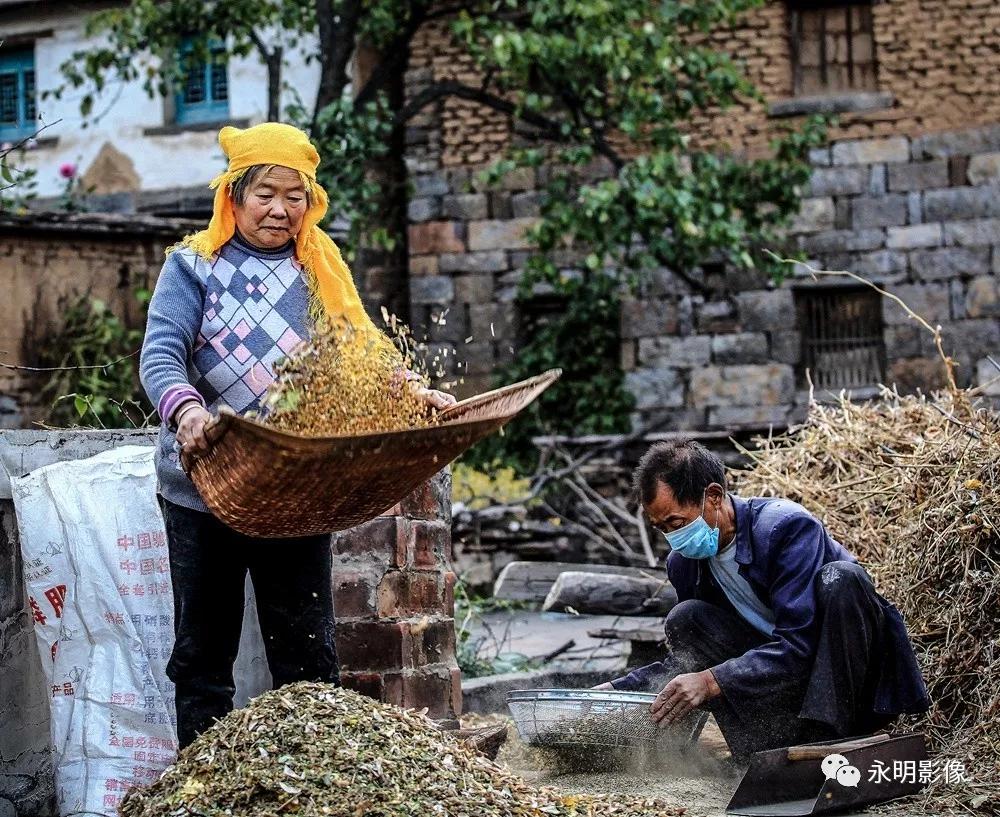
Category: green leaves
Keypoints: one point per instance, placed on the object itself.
(18, 185)
(604, 94)
(350, 137)
(618, 84)
(92, 359)
(600, 71)
(140, 41)
(581, 337)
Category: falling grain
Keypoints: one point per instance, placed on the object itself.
(340, 383)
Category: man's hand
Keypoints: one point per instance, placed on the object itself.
(605, 685)
(682, 694)
(434, 398)
(191, 428)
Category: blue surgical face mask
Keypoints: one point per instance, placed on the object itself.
(696, 540)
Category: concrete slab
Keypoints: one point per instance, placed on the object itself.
(22, 451)
(534, 633)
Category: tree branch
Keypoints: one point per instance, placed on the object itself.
(272, 60)
(18, 368)
(5, 152)
(395, 57)
(445, 11)
(458, 89)
(258, 44)
(340, 30)
(602, 145)
(597, 133)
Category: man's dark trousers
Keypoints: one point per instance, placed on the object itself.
(835, 699)
(208, 567)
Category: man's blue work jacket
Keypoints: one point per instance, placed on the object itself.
(780, 549)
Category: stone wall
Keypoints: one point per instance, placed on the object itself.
(46, 256)
(937, 69)
(393, 598)
(920, 216)
(905, 195)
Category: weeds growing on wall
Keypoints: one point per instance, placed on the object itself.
(92, 359)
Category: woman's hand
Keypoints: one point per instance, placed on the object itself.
(434, 398)
(192, 418)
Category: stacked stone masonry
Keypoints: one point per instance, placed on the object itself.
(905, 195)
(36, 270)
(394, 595)
(919, 216)
(937, 69)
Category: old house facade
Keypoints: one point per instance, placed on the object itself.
(44, 258)
(905, 195)
(136, 152)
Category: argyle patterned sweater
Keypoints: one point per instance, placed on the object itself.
(214, 332)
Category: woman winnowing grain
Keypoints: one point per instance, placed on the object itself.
(229, 302)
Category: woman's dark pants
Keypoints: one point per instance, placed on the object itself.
(834, 700)
(208, 567)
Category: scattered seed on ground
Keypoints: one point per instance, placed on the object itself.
(316, 750)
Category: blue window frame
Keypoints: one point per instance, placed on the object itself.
(204, 92)
(18, 111)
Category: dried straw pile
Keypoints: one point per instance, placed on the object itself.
(911, 485)
(337, 383)
(314, 749)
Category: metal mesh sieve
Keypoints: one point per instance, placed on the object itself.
(598, 718)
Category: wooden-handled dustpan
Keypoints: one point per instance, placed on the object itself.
(790, 782)
(270, 483)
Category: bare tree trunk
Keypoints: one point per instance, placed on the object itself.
(274, 59)
(382, 273)
(386, 270)
(338, 34)
(271, 58)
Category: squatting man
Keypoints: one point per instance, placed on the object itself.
(778, 631)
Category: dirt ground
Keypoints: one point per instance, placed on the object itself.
(702, 781)
(704, 796)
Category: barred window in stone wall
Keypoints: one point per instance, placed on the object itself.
(536, 312)
(833, 47)
(843, 341)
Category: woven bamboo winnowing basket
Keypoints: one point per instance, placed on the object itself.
(270, 483)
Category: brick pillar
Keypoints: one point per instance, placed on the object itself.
(394, 598)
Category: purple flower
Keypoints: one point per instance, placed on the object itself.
(67, 170)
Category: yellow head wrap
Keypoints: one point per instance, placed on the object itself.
(332, 289)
